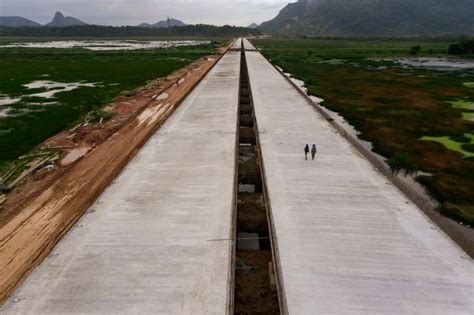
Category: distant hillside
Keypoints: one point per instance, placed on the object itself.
(60, 20)
(124, 31)
(165, 23)
(253, 25)
(374, 18)
(15, 21)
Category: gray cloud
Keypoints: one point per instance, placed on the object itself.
(133, 12)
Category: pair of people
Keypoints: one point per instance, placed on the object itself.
(313, 151)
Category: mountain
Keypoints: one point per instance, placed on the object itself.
(16, 21)
(374, 18)
(170, 22)
(60, 20)
(253, 25)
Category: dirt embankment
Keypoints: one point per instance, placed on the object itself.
(43, 208)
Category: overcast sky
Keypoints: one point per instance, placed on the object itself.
(133, 12)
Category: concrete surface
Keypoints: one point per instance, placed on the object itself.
(237, 44)
(157, 240)
(248, 45)
(349, 242)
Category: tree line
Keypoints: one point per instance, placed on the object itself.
(199, 30)
(464, 47)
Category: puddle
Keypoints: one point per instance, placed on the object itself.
(246, 188)
(74, 155)
(246, 153)
(439, 64)
(4, 112)
(162, 96)
(248, 241)
(43, 104)
(100, 45)
(302, 87)
(6, 100)
(334, 62)
(55, 87)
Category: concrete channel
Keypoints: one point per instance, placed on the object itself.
(346, 240)
(256, 287)
(159, 240)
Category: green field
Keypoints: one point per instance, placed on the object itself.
(418, 118)
(28, 122)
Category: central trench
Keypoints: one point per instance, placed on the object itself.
(255, 289)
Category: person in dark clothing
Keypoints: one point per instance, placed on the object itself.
(313, 151)
(306, 151)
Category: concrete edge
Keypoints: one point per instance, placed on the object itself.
(271, 226)
(425, 205)
(233, 218)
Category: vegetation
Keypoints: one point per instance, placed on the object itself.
(415, 117)
(129, 31)
(36, 118)
(414, 50)
(373, 18)
(402, 163)
(465, 47)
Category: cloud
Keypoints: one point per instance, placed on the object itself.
(133, 12)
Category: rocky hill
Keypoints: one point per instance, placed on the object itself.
(17, 21)
(374, 18)
(60, 20)
(170, 22)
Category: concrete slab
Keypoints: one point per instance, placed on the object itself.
(157, 240)
(237, 44)
(349, 242)
(248, 45)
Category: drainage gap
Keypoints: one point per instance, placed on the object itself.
(255, 288)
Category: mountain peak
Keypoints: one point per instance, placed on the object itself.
(169, 22)
(58, 15)
(60, 20)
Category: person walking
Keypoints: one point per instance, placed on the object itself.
(313, 151)
(306, 151)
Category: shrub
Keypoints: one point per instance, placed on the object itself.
(402, 163)
(414, 50)
(469, 147)
(460, 138)
(463, 48)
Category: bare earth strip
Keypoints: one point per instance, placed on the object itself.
(29, 236)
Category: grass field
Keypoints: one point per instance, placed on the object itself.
(101, 77)
(414, 116)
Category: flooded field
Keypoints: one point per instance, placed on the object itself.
(104, 45)
(44, 90)
(439, 64)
